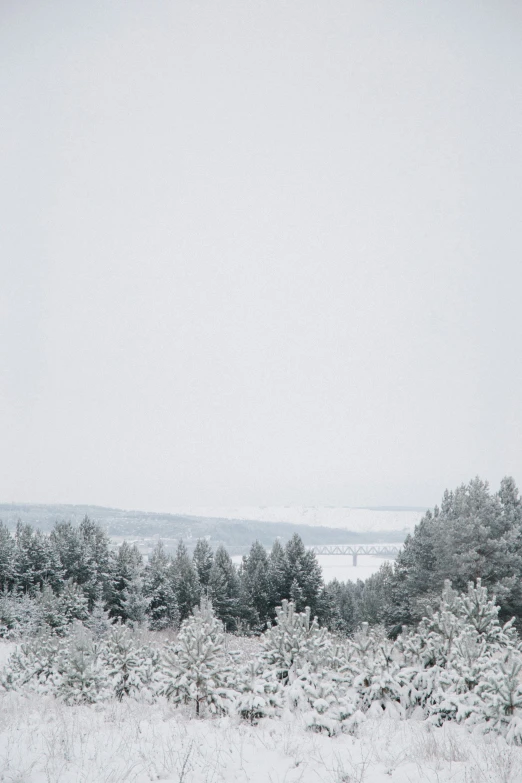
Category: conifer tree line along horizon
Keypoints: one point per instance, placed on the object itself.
(72, 573)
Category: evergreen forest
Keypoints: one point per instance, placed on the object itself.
(72, 573)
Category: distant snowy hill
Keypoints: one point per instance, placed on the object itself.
(234, 527)
(359, 520)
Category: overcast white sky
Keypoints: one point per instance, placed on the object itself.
(259, 252)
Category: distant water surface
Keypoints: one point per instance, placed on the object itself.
(341, 566)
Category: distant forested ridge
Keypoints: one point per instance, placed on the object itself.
(235, 534)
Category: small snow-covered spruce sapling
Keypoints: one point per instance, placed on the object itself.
(293, 641)
(134, 603)
(99, 621)
(312, 668)
(323, 699)
(124, 661)
(196, 668)
(501, 694)
(260, 693)
(376, 671)
(35, 664)
(84, 678)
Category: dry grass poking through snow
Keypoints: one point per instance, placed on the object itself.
(44, 741)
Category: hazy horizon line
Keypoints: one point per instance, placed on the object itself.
(217, 506)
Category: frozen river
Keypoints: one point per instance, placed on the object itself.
(341, 566)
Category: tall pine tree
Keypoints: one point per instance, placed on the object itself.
(303, 576)
(256, 581)
(203, 558)
(224, 589)
(185, 578)
(125, 568)
(277, 570)
(160, 589)
(7, 558)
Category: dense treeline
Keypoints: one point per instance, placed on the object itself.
(474, 534)
(72, 572)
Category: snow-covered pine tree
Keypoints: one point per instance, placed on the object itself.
(501, 697)
(36, 561)
(293, 641)
(99, 622)
(84, 678)
(303, 575)
(35, 664)
(126, 565)
(260, 692)
(441, 628)
(481, 612)
(375, 670)
(7, 559)
(84, 555)
(224, 589)
(319, 682)
(203, 558)
(73, 602)
(50, 609)
(134, 603)
(58, 611)
(196, 668)
(296, 595)
(255, 581)
(29, 620)
(277, 569)
(247, 620)
(126, 662)
(323, 699)
(474, 534)
(185, 580)
(452, 661)
(97, 560)
(340, 596)
(160, 590)
(67, 542)
(8, 614)
(150, 670)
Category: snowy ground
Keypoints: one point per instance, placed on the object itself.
(43, 741)
(6, 648)
(361, 520)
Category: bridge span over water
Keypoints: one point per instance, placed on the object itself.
(381, 550)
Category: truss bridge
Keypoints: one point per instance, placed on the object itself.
(381, 550)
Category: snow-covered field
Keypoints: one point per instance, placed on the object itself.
(360, 520)
(44, 741)
(364, 711)
(370, 725)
